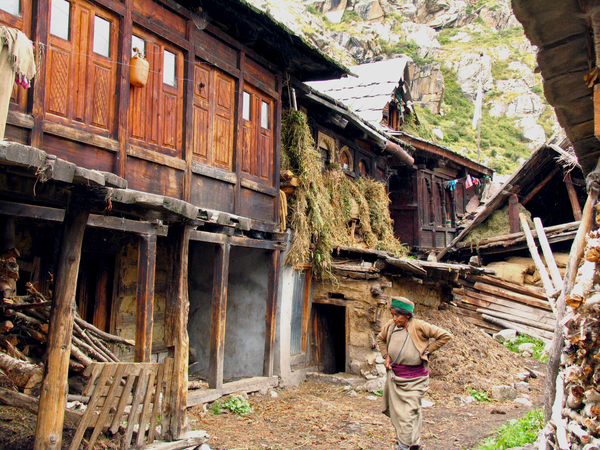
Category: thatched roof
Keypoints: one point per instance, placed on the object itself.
(560, 30)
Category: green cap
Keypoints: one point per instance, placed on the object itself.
(403, 303)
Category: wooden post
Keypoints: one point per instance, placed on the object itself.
(144, 317)
(271, 314)
(53, 397)
(218, 317)
(575, 256)
(176, 336)
(513, 213)
(123, 89)
(548, 256)
(536, 258)
(573, 197)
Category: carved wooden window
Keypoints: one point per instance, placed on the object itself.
(363, 168)
(101, 36)
(257, 137)
(156, 110)
(60, 19)
(214, 113)
(11, 6)
(80, 83)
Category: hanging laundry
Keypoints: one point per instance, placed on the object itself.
(17, 63)
(468, 182)
(451, 185)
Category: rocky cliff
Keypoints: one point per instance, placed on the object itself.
(451, 42)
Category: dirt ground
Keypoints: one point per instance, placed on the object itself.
(323, 416)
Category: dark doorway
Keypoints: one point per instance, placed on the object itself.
(329, 337)
(95, 289)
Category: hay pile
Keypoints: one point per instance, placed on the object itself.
(325, 204)
(471, 359)
(498, 224)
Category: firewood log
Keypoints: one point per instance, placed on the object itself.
(103, 334)
(91, 350)
(80, 356)
(26, 376)
(574, 428)
(100, 345)
(6, 326)
(592, 425)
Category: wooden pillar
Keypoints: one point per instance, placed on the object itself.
(41, 12)
(144, 317)
(123, 89)
(218, 316)
(573, 197)
(513, 213)
(53, 397)
(176, 335)
(271, 314)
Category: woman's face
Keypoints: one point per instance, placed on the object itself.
(399, 319)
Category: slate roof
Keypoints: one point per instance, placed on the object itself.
(371, 89)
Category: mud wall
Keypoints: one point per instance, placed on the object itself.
(368, 310)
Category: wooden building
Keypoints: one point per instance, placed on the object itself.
(429, 195)
(155, 207)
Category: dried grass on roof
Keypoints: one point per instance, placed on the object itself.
(498, 224)
(322, 206)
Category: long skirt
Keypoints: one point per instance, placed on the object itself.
(402, 403)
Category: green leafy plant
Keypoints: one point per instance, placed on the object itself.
(538, 349)
(480, 396)
(378, 392)
(235, 404)
(516, 433)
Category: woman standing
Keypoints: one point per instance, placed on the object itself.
(405, 343)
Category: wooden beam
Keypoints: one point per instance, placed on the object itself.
(548, 255)
(513, 213)
(176, 336)
(575, 205)
(53, 396)
(199, 396)
(539, 187)
(144, 316)
(123, 89)
(238, 241)
(218, 316)
(271, 313)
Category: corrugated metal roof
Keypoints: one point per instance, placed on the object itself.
(371, 89)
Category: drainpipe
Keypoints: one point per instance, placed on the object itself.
(399, 153)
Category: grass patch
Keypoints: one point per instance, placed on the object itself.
(516, 433)
(480, 396)
(538, 349)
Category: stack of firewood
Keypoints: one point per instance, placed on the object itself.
(24, 324)
(575, 423)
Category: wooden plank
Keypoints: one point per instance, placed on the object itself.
(575, 205)
(106, 407)
(145, 298)
(547, 252)
(536, 258)
(176, 336)
(238, 241)
(191, 439)
(497, 300)
(497, 291)
(200, 396)
(53, 396)
(156, 402)
(508, 307)
(140, 389)
(218, 316)
(214, 172)
(531, 291)
(145, 414)
(539, 187)
(271, 313)
(258, 187)
(155, 157)
(88, 415)
(516, 319)
(536, 333)
(82, 136)
(123, 402)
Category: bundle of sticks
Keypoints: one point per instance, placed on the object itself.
(24, 324)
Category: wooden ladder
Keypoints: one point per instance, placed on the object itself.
(123, 393)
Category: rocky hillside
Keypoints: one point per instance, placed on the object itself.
(454, 44)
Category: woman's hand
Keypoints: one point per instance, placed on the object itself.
(388, 362)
